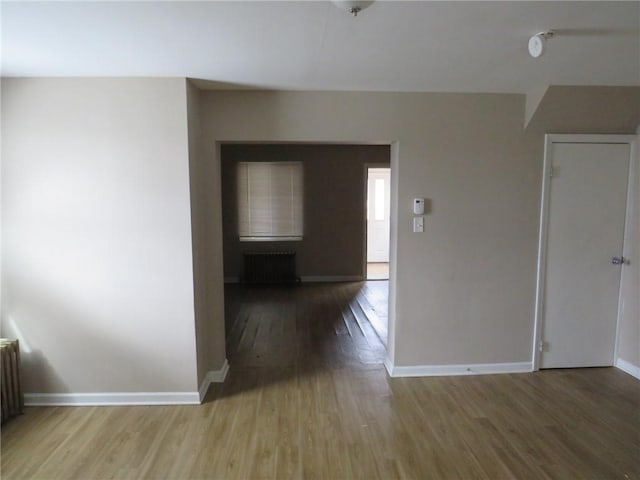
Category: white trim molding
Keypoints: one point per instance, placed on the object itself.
(388, 364)
(213, 376)
(331, 278)
(204, 387)
(454, 370)
(105, 399)
(628, 367)
(314, 279)
(128, 398)
(218, 376)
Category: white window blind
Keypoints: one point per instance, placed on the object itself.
(270, 201)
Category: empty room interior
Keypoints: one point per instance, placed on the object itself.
(320, 239)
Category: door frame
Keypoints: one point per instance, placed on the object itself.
(365, 237)
(549, 140)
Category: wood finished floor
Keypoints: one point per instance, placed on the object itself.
(320, 405)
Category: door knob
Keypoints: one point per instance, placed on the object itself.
(617, 260)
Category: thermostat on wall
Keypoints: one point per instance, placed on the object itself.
(418, 206)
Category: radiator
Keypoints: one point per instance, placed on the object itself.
(11, 391)
(270, 267)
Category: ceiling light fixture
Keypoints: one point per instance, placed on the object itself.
(352, 6)
(537, 41)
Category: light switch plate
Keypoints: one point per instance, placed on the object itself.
(418, 224)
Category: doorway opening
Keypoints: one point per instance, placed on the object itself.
(378, 229)
(331, 316)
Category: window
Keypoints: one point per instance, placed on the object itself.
(270, 201)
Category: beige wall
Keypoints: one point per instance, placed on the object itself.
(464, 288)
(586, 110)
(97, 272)
(97, 240)
(206, 227)
(334, 209)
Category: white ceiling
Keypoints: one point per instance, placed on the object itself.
(392, 46)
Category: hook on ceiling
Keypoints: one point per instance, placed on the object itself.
(352, 6)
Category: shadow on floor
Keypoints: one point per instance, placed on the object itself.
(285, 333)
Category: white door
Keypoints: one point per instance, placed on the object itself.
(586, 215)
(378, 209)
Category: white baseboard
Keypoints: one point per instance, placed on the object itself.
(388, 364)
(628, 367)
(127, 398)
(213, 376)
(218, 376)
(331, 278)
(314, 278)
(104, 399)
(447, 370)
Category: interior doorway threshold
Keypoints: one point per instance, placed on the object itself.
(378, 271)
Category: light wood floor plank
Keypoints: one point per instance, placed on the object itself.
(307, 397)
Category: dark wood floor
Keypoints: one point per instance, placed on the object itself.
(307, 327)
(307, 397)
